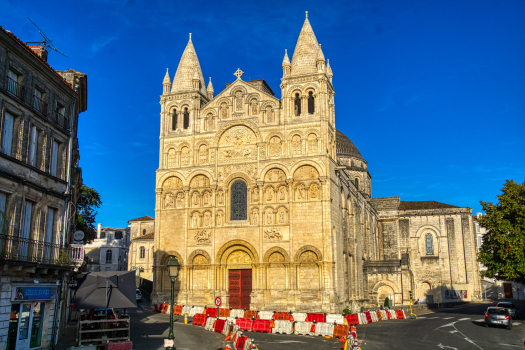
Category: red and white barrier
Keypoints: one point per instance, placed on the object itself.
(299, 316)
(196, 310)
(283, 327)
(237, 313)
(335, 318)
(324, 329)
(265, 315)
(210, 323)
(304, 328)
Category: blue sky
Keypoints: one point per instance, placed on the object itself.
(431, 92)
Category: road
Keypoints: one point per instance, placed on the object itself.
(447, 329)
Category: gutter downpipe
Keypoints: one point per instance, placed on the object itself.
(58, 305)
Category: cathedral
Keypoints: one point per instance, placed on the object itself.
(267, 205)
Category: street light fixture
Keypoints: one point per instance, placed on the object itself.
(173, 272)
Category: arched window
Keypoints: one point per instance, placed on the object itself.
(238, 203)
(144, 231)
(311, 103)
(109, 256)
(356, 182)
(429, 244)
(297, 103)
(142, 252)
(186, 118)
(174, 120)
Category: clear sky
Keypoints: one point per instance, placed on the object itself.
(431, 92)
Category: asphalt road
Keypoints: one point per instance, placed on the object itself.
(449, 329)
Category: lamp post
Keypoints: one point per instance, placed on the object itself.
(173, 272)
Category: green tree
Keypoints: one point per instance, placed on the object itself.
(503, 248)
(86, 211)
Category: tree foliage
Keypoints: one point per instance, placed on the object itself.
(86, 211)
(503, 248)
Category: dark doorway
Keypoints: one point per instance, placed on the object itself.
(507, 288)
(240, 288)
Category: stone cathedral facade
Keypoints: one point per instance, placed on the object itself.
(267, 205)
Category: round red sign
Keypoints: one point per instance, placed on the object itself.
(218, 301)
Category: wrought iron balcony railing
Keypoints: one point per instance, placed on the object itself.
(61, 120)
(35, 251)
(40, 105)
(14, 88)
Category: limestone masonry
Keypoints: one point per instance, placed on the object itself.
(267, 205)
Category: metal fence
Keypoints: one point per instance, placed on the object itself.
(35, 251)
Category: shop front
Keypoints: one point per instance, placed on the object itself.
(30, 307)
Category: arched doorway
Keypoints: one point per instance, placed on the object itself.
(385, 292)
(239, 279)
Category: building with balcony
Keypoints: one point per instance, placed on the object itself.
(39, 178)
(109, 250)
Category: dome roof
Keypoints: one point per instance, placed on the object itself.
(345, 147)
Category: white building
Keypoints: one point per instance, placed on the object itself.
(109, 250)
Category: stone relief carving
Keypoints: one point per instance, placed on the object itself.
(239, 257)
(276, 258)
(274, 175)
(312, 144)
(296, 145)
(255, 195)
(200, 260)
(269, 217)
(180, 200)
(203, 237)
(185, 156)
(172, 158)
(200, 181)
(172, 183)
(301, 194)
(238, 100)
(250, 169)
(306, 172)
(276, 147)
(282, 218)
(282, 193)
(255, 218)
(195, 198)
(207, 219)
(203, 154)
(238, 145)
(269, 115)
(194, 221)
(219, 219)
(253, 105)
(224, 111)
(273, 235)
(220, 197)
(314, 191)
(308, 257)
(269, 194)
(168, 201)
(206, 198)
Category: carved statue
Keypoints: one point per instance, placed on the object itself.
(206, 198)
(313, 191)
(255, 217)
(269, 215)
(254, 107)
(219, 219)
(269, 194)
(300, 191)
(255, 194)
(194, 220)
(207, 219)
(281, 217)
(220, 197)
(180, 200)
(224, 111)
(169, 201)
(195, 198)
(282, 193)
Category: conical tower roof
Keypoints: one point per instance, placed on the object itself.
(305, 54)
(328, 68)
(286, 60)
(167, 79)
(320, 55)
(188, 68)
(210, 86)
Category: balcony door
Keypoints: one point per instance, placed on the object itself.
(26, 230)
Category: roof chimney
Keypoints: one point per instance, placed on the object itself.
(40, 50)
(99, 230)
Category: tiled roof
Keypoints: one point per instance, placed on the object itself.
(112, 229)
(421, 205)
(28, 49)
(146, 236)
(142, 218)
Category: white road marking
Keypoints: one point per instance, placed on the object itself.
(443, 346)
(480, 320)
(433, 318)
(516, 323)
(464, 319)
(454, 331)
(447, 318)
(421, 317)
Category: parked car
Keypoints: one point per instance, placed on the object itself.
(513, 309)
(138, 295)
(498, 316)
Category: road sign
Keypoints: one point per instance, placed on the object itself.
(218, 301)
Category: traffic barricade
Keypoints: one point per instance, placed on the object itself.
(226, 328)
(299, 316)
(199, 320)
(219, 326)
(400, 315)
(283, 327)
(239, 344)
(164, 308)
(250, 314)
(196, 310)
(379, 315)
(385, 317)
(340, 330)
(210, 322)
(185, 310)
(239, 313)
(373, 314)
(388, 315)
(352, 320)
(211, 312)
(249, 344)
(224, 312)
(262, 326)
(315, 318)
(362, 318)
(282, 316)
(368, 317)
(303, 328)
(265, 315)
(177, 309)
(231, 319)
(324, 329)
(335, 318)
(393, 315)
(245, 324)
(157, 309)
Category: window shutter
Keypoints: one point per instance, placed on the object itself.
(7, 134)
(32, 146)
(26, 222)
(54, 158)
(3, 201)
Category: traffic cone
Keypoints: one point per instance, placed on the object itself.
(227, 347)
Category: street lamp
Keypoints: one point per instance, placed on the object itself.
(173, 272)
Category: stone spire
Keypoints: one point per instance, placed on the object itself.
(166, 83)
(210, 90)
(305, 54)
(188, 69)
(320, 60)
(329, 71)
(286, 64)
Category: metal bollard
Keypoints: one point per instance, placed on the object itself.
(185, 318)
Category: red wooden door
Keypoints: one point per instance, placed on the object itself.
(240, 287)
(507, 289)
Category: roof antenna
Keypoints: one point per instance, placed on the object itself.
(47, 42)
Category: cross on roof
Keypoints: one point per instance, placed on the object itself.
(239, 73)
